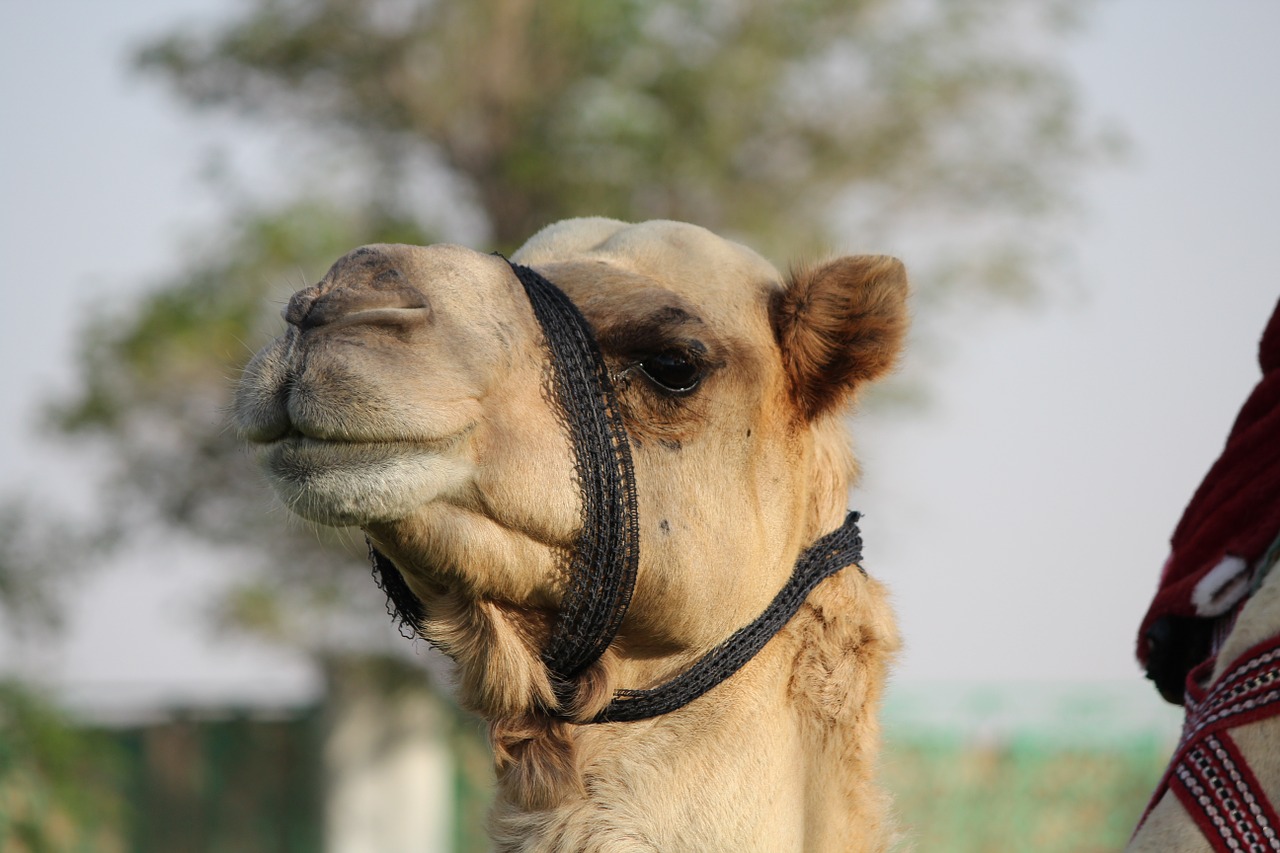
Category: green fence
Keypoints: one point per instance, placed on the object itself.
(236, 784)
(253, 784)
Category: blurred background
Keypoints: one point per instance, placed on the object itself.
(1084, 193)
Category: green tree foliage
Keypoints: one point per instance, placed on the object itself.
(60, 787)
(792, 125)
(754, 117)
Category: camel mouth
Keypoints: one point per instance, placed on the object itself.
(302, 442)
(344, 482)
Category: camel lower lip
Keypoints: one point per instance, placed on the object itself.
(301, 440)
(357, 482)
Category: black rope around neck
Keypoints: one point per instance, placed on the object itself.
(839, 548)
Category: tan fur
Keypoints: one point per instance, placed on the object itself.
(414, 407)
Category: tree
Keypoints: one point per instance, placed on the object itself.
(753, 117)
(786, 124)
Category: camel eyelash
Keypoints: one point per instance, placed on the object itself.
(675, 370)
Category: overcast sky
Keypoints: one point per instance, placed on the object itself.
(1020, 520)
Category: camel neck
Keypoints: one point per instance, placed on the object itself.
(838, 549)
(779, 758)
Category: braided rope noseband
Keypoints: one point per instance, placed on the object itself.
(602, 569)
(603, 565)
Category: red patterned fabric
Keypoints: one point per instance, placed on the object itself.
(1235, 513)
(1217, 788)
(1208, 773)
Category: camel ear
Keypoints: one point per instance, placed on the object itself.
(839, 325)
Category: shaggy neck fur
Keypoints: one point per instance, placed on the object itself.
(708, 776)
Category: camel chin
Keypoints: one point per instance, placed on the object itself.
(341, 483)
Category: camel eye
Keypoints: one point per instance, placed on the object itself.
(675, 371)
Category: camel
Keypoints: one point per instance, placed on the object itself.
(1211, 641)
(418, 394)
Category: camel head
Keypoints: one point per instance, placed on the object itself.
(410, 396)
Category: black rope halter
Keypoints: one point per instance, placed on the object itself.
(839, 548)
(603, 565)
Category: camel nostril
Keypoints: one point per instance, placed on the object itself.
(386, 299)
(295, 312)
